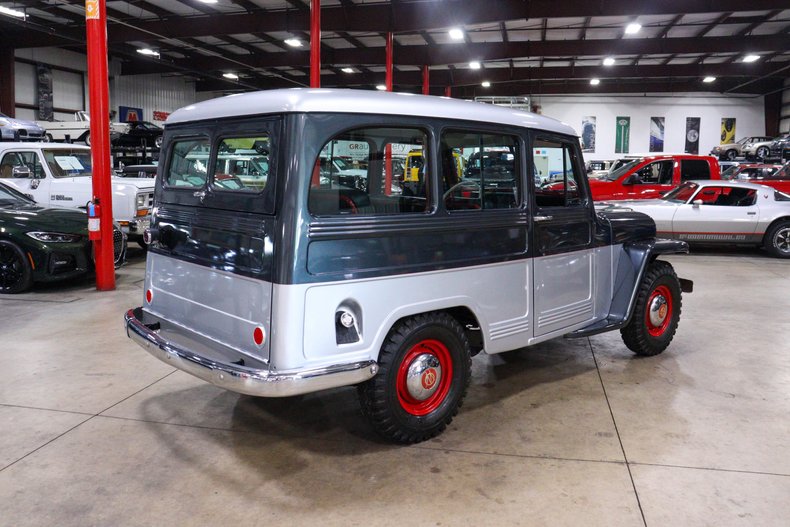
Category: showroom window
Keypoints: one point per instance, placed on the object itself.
(242, 164)
(556, 172)
(480, 171)
(364, 171)
(189, 160)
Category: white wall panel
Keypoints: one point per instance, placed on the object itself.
(151, 93)
(67, 89)
(25, 83)
(748, 112)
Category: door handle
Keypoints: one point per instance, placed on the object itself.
(751, 213)
(200, 194)
(543, 218)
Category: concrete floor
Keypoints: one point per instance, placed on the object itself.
(97, 432)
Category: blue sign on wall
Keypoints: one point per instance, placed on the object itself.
(127, 113)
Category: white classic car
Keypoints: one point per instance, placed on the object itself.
(60, 175)
(77, 130)
(719, 212)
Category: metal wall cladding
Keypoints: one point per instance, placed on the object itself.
(784, 124)
(151, 93)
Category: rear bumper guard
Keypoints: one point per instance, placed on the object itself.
(238, 378)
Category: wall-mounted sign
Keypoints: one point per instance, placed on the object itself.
(127, 114)
(727, 130)
(622, 135)
(161, 116)
(44, 92)
(588, 133)
(692, 135)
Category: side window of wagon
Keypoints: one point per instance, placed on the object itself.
(376, 170)
(242, 164)
(480, 170)
(556, 174)
(188, 166)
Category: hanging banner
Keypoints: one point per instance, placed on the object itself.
(44, 92)
(622, 135)
(692, 135)
(656, 134)
(727, 130)
(588, 133)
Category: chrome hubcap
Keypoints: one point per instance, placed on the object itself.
(658, 310)
(782, 240)
(424, 376)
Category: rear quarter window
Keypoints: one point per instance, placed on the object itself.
(188, 165)
(694, 169)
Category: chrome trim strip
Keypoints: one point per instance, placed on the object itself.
(250, 381)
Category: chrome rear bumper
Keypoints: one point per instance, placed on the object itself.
(241, 379)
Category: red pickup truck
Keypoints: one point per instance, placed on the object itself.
(651, 176)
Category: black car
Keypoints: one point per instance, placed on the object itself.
(780, 148)
(140, 134)
(39, 244)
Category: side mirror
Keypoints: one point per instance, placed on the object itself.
(696, 203)
(21, 172)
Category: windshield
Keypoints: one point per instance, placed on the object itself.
(11, 198)
(65, 162)
(621, 170)
(730, 172)
(681, 194)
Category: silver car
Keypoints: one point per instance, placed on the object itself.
(20, 130)
(719, 212)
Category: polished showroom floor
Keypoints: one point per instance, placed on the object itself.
(572, 432)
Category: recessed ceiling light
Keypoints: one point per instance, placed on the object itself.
(381, 87)
(456, 34)
(474, 65)
(12, 12)
(347, 70)
(751, 58)
(293, 42)
(709, 79)
(231, 76)
(148, 52)
(208, 1)
(632, 28)
(595, 82)
(608, 61)
(486, 84)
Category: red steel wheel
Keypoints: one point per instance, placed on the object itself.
(424, 377)
(659, 311)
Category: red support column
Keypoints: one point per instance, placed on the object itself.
(388, 77)
(448, 91)
(315, 43)
(7, 87)
(98, 90)
(426, 84)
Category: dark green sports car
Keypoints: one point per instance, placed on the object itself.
(39, 244)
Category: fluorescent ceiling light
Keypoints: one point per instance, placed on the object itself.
(381, 87)
(456, 34)
(595, 82)
(12, 12)
(608, 61)
(231, 76)
(208, 1)
(347, 70)
(751, 58)
(148, 52)
(632, 28)
(293, 42)
(474, 65)
(709, 79)
(486, 84)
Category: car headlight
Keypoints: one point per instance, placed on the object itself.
(141, 199)
(54, 237)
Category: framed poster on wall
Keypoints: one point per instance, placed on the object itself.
(588, 133)
(692, 135)
(727, 130)
(44, 92)
(622, 134)
(656, 134)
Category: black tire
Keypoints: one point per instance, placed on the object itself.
(777, 239)
(143, 245)
(730, 155)
(436, 341)
(659, 285)
(86, 138)
(762, 152)
(16, 274)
